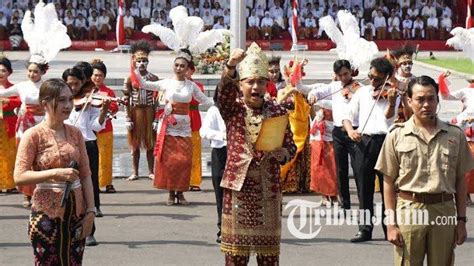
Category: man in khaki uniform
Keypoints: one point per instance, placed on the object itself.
(424, 161)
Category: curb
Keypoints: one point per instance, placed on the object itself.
(442, 69)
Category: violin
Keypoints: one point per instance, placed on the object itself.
(96, 99)
(349, 89)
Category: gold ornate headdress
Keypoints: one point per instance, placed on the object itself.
(254, 64)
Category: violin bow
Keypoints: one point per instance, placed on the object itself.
(331, 94)
(89, 98)
(373, 105)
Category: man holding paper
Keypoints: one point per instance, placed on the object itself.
(259, 140)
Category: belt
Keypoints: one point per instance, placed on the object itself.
(180, 108)
(75, 184)
(193, 107)
(8, 113)
(425, 197)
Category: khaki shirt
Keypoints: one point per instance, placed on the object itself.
(421, 167)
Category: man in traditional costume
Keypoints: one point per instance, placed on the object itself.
(403, 75)
(251, 216)
(140, 110)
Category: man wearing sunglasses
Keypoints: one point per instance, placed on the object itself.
(374, 114)
(140, 110)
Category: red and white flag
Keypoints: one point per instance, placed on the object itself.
(120, 30)
(468, 15)
(294, 23)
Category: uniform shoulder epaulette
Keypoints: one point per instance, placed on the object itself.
(396, 125)
(456, 126)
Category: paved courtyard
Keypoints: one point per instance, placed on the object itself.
(139, 229)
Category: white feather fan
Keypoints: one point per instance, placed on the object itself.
(45, 34)
(463, 39)
(349, 44)
(187, 32)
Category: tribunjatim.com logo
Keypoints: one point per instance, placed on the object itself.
(306, 218)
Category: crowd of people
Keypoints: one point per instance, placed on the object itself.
(94, 19)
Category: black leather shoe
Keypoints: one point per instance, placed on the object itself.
(361, 236)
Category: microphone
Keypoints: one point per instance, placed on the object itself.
(67, 189)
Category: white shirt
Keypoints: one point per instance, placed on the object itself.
(68, 21)
(428, 11)
(393, 23)
(218, 26)
(176, 91)
(93, 22)
(413, 12)
(81, 23)
(266, 22)
(217, 12)
(361, 105)
(213, 128)
(87, 123)
(135, 11)
(418, 24)
(407, 24)
(82, 11)
(254, 21)
(432, 22)
(145, 12)
(447, 11)
(369, 4)
(104, 20)
(319, 117)
(28, 91)
(310, 23)
(3, 21)
(128, 22)
(380, 22)
(331, 91)
(404, 3)
(446, 23)
(208, 20)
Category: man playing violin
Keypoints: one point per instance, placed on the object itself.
(372, 108)
(340, 92)
(140, 110)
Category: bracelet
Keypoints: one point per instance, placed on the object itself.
(462, 218)
(92, 209)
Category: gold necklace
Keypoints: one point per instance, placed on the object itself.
(253, 123)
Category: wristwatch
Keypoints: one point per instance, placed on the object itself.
(93, 210)
(462, 218)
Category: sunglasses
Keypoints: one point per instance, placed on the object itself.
(375, 78)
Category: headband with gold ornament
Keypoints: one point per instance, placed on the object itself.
(405, 58)
(140, 54)
(255, 63)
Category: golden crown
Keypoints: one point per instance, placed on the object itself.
(255, 63)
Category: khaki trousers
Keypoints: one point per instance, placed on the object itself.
(436, 241)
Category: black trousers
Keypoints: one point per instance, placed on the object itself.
(218, 160)
(93, 154)
(367, 152)
(343, 147)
